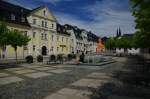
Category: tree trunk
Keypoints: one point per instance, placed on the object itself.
(23, 52)
(16, 54)
(3, 51)
(0, 53)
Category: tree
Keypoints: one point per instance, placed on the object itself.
(141, 12)
(16, 38)
(4, 31)
(110, 43)
(124, 42)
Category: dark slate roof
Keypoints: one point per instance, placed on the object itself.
(61, 30)
(68, 27)
(6, 9)
(92, 37)
(78, 33)
(104, 39)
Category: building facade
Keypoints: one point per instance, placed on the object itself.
(47, 35)
(15, 18)
(63, 40)
(43, 32)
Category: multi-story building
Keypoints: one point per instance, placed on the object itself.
(63, 40)
(47, 36)
(43, 32)
(73, 40)
(39, 24)
(92, 42)
(83, 41)
(15, 18)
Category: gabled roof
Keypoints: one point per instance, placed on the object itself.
(92, 37)
(42, 7)
(61, 30)
(78, 33)
(8, 9)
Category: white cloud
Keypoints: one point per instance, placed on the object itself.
(106, 20)
(69, 19)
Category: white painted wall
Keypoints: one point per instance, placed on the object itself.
(119, 51)
(133, 51)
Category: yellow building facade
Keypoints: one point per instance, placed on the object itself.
(43, 27)
(63, 44)
(63, 40)
(9, 52)
(47, 36)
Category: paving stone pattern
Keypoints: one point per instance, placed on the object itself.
(50, 82)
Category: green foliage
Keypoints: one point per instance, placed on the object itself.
(29, 59)
(141, 12)
(4, 31)
(40, 58)
(124, 42)
(110, 43)
(16, 38)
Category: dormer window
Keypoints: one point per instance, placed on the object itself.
(22, 19)
(13, 17)
(58, 28)
(21, 10)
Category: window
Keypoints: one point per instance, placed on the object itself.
(42, 23)
(45, 36)
(25, 47)
(42, 36)
(13, 17)
(66, 39)
(44, 13)
(57, 38)
(33, 47)
(34, 21)
(21, 10)
(62, 39)
(52, 37)
(22, 19)
(34, 33)
(52, 48)
(52, 26)
(62, 49)
(57, 49)
(45, 24)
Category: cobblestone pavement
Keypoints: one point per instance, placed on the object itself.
(37, 81)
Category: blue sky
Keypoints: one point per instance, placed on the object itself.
(102, 17)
